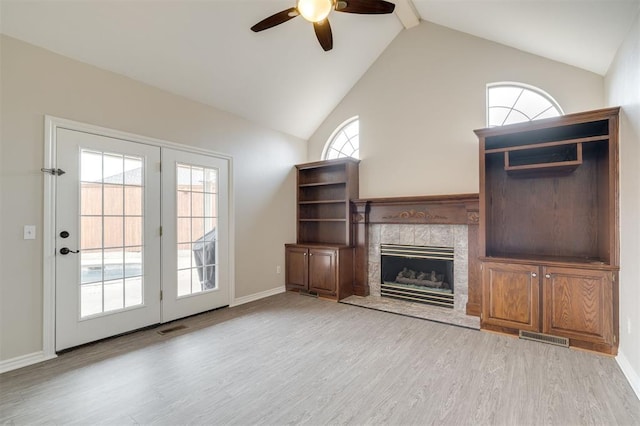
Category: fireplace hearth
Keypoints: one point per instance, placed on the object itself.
(417, 273)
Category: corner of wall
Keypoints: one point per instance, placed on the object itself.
(632, 375)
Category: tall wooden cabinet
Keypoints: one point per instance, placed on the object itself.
(321, 262)
(549, 232)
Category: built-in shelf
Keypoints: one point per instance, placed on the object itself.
(307, 185)
(322, 202)
(559, 158)
(323, 220)
(568, 261)
(321, 261)
(547, 144)
(324, 191)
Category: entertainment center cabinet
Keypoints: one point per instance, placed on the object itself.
(321, 261)
(549, 231)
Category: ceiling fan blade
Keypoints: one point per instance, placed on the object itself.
(323, 32)
(275, 19)
(366, 7)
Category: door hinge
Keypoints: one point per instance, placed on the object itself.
(161, 295)
(482, 266)
(161, 231)
(160, 166)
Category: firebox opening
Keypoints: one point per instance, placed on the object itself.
(421, 273)
(416, 273)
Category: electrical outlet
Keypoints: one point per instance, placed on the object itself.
(628, 325)
(278, 270)
(29, 232)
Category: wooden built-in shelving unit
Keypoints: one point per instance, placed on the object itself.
(549, 232)
(321, 261)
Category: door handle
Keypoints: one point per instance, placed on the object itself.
(65, 250)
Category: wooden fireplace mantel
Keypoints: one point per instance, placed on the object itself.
(458, 209)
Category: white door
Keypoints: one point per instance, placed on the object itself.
(107, 237)
(195, 228)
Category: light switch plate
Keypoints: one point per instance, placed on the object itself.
(29, 232)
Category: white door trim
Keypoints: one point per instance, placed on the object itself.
(51, 124)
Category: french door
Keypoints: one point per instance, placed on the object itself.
(194, 210)
(135, 245)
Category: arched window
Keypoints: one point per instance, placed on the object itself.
(509, 103)
(345, 141)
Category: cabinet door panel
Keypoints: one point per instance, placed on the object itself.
(578, 304)
(296, 268)
(511, 296)
(322, 271)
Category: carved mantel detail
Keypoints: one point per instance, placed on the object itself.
(415, 214)
(473, 217)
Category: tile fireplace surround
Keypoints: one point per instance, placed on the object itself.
(448, 220)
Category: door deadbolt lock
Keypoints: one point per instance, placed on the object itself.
(64, 234)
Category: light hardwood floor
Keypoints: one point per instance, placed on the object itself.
(292, 359)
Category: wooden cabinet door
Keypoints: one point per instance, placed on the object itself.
(323, 267)
(296, 268)
(511, 296)
(578, 304)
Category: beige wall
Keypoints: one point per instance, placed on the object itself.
(420, 101)
(35, 82)
(622, 85)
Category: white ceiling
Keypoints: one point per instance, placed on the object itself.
(281, 78)
(583, 33)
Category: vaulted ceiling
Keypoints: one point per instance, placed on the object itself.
(281, 77)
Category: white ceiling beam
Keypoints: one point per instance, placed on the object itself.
(407, 13)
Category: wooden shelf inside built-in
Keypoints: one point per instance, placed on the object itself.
(322, 202)
(323, 220)
(567, 261)
(557, 158)
(307, 185)
(547, 144)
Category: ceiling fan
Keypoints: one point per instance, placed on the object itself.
(317, 12)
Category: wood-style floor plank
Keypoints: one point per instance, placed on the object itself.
(291, 359)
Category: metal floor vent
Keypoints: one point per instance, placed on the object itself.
(544, 338)
(172, 329)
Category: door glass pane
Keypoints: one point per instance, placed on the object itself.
(111, 232)
(91, 232)
(114, 197)
(91, 170)
(133, 231)
(133, 171)
(196, 209)
(133, 200)
(91, 199)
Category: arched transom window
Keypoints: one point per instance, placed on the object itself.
(345, 141)
(509, 103)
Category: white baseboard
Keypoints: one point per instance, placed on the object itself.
(23, 361)
(257, 296)
(631, 374)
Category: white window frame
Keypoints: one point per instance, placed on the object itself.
(524, 86)
(335, 133)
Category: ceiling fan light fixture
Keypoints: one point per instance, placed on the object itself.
(314, 10)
